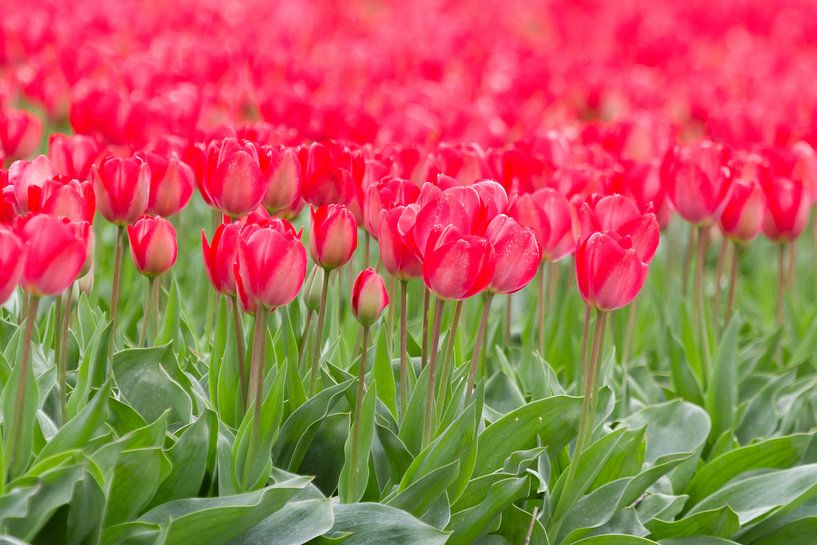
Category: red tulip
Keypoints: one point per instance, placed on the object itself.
(620, 214)
(517, 254)
(234, 182)
(20, 133)
(456, 266)
(153, 245)
(271, 264)
(642, 181)
(458, 206)
(369, 297)
(8, 202)
(171, 184)
(787, 207)
(697, 181)
(328, 176)
(333, 237)
(389, 192)
(493, 196)
(121, 187)
(742, 218)
(56, 251)
(608, 271)
(62, 196)
(73, 155)
(553, 220)
(12, 259)
(23, 175)
(396, 251)
(283, 172)
(220, 256)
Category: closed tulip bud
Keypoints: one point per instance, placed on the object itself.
(171, 184)
(25, 175)
(327, 176)
(282, 169)
(396, 251)
(271, 265)
(56, 250)
(608, 271)
(787, 207)
(153, 245)
(742, 218)
(20, 133)
(697, 181)
(369, 297)
(456, 267)
(619, 214)
(388, 193)
(62, 196)
(333, 237)
(312, 295)
(234, 182)
(220, 255)
(12, 259)
(553, 219)
(517, 254)
(73, 155)
(122, 187)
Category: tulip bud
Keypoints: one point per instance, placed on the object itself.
(553, 219)
(333, 238)
(20, 133)
(620, 214)
(387, 193)
(220, 256)
(62, 196)
(271, 265)
(73, 155)
(25, 175)
(608, 271)
(456, 267)
(152, 245)
(122, 187)
(171, 184)
(234, 182)
(369, 297)
(698, 181)
(12, 259)
(56, 251)
(742, 218)
(396, 251)
(787, 208)
(517, 254)
(282, 169)
(456, 206)
(327, 177)
(312, 297)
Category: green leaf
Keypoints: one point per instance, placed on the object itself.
(419, 496)
(722, 392)
(136, 478)
(79, 430)
(373, 523)
(357, 462)
(92, 370)
(803, 530)
(697, 540)
(384, 374)
(411, 427)
(468, 524)
(554, 420)
(615, 539)
(721, 522)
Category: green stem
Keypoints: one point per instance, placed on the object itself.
(733, 280)
(257, 367)
(147, 313)
(304, 335)
(403, 353)
(541, 323)
(428, 423)
(316, 345)
(426, 311)
(16, 424)
(361, 391)
(625, 359)
(508, 313)
(238, 331)
(781, 283)
(699, 311)
(118, 271)
(483, 324)
(62, 359)
(448, 354)
(688, 258)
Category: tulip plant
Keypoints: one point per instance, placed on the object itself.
(408, 273)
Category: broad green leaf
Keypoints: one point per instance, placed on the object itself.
(355, 473)
(411, 427)
(136, 478)
(419, 496)
(721, 522)
(384, 374)
(722, 391)
(468, 524)
(615, 539)
(373, 523)
(803, 530)
(79, 430)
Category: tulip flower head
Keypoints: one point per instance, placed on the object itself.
(153, 245)
(220, 256)
(788, 205)
(234, 182)
(553, 220)
(73, 155)
(396, 248)
(333, 237)
(122, 188)
(517, 254)
(25, 175)
(609, 271)
(12, 260)
(283, 171)
(171, 184)
(742, 218)
(62, 196)
(56, 251)
(369, 297)
(20, 133)
(457, 266)
(698, 181)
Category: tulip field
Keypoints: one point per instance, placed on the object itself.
(516, 272)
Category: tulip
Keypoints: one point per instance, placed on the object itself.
(620, 214)
(386, 194)
(743, 216)
(395, 250)
(282, 169)
(12, 259)
(787, 208)
(55, 250)
(62, 196)
(25, 175)
(333, 237)
(517, 255)
(457, 267)
(697, 181)
(327, 176)
(609, 271)
(369, 297)
(642, 181)
(73, 155)
(8, 202)
(271, 264)
(153, 245)
(493, 196)
(20, 133)
(459, 207)
(122, 188)
(553, 219)
(171, 184)
(234, 182)
(220, 255)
